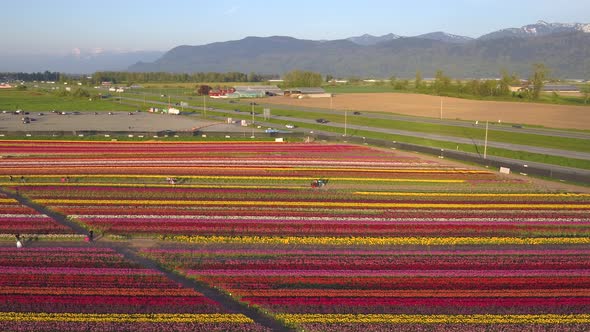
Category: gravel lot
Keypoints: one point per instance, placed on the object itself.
(118, 121)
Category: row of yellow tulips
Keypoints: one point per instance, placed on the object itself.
(435, 319)
(124, 318)
(379, 241)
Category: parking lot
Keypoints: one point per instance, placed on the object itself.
(109, 121)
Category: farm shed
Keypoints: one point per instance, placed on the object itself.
(307, 93)
(260, 90)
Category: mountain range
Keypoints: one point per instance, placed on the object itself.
(564, 48)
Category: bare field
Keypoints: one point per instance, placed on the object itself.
(552, 116)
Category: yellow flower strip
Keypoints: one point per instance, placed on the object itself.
(381, 170)
(380, 193)
(7, 200)
(238, 177)
(435, 319)
(57, 142)
(466, 293)
(99, 291)
(386, 205)
(255, 168)
(377, 241)
(124, 318)
(152, 185)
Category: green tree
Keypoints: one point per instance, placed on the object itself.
(442, 83)
(401, 85)
(505, 82)
(79, 92)
(537, 80)
(418, 80)
(393, 81)
(585, 90)
(21, 87)
(299, 78)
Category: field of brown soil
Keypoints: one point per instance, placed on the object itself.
(553, 116)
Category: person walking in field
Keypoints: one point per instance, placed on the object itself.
(19, 244)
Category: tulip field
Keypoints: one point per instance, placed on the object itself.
(16, 218)
(96, 289)
(392, 242)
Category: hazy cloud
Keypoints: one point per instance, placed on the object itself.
(231, 10)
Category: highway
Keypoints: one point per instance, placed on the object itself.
(478, 142)
(446, 122)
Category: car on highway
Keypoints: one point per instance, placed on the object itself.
(321, 121)
(290, 126)
(356, 113)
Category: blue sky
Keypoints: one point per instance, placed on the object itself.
(60, 26)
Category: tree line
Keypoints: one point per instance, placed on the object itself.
(444, 85)
(29, 77)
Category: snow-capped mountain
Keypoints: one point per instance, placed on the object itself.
(445, 37)
(541, 28)
(367, 40)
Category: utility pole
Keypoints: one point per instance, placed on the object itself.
(441, 108)
(345, 121)
(485, 144)
(252, 112)
(204, 107)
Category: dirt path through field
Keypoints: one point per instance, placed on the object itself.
(552, 116)
(130, 250)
